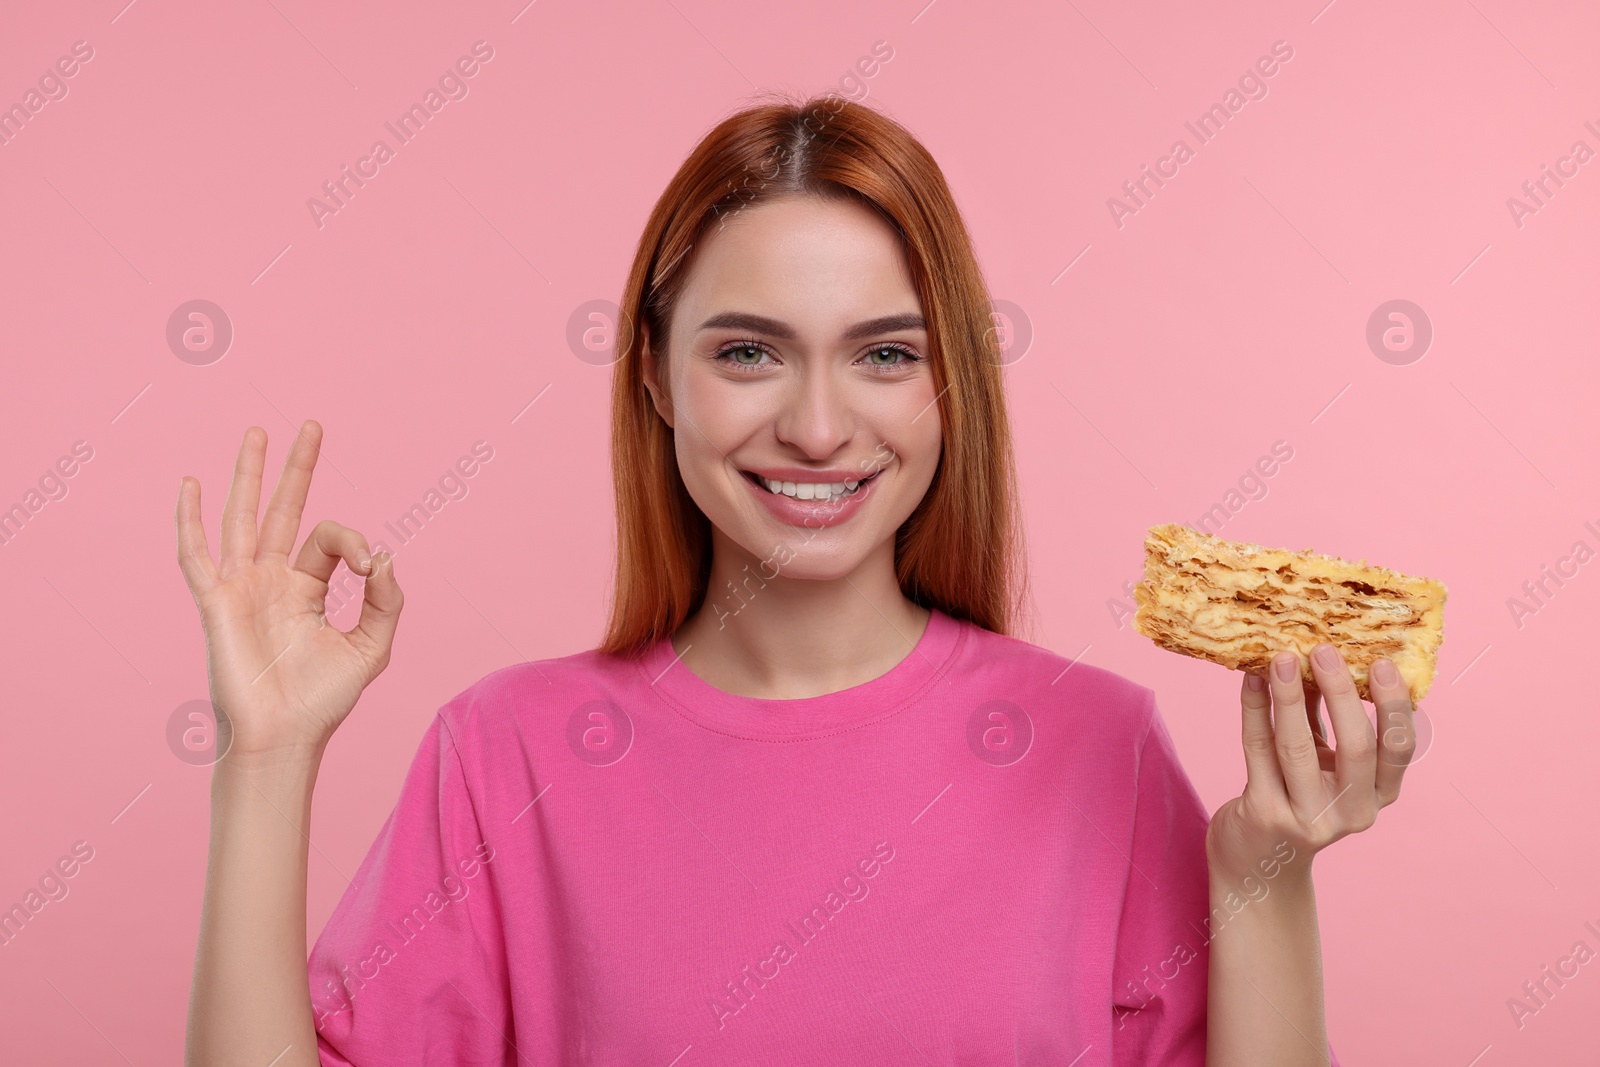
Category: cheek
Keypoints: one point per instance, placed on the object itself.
(919, 445)
(699, 464)
(716, 421)
(916, 461)
(711, 428)
(925, 446)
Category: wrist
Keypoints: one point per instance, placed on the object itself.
(255, 750)
(1281, 863)
(274, 771)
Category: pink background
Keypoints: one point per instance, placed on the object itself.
(1227, 314)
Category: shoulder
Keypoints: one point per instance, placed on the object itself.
(1091, 731)
(1036, 676)
(542, 692)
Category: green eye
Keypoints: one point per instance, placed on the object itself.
(893, 350)
(733, 354)
(748, 355)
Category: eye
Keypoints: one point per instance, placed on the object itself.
(733, 354)
(892, 351)
(746, 355)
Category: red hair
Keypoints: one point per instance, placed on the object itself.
(961, 550)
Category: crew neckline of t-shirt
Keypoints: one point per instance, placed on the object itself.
(805, 718)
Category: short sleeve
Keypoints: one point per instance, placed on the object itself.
(1161, 965)
(411, 966)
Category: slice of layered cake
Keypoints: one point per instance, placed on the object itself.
(1238, 604)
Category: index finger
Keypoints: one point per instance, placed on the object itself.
(281, 524)
(1260, 749)
(1291, 727)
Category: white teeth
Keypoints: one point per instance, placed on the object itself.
(811, 490)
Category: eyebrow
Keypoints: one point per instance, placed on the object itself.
(742, 320)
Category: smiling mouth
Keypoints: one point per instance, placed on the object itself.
(821, 491)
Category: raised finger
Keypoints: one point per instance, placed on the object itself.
(194, 556)
(281, 523)
(1260, 751)
(1297, 749)
(1397, 728)
(244, 498)
(1357, 748)
(327, 544)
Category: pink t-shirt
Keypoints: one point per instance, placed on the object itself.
(986, 855)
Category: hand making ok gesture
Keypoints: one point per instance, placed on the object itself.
(281, 678)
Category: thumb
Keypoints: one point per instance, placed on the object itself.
(380, 611)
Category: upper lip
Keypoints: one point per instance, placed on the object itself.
(802, 475)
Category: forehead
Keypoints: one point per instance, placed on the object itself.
(820, 264)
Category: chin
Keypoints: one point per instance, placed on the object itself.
(819, 555)
(811, 566)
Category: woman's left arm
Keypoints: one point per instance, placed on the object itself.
(1265, 1003)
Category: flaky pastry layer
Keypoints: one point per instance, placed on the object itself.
(1238, 604)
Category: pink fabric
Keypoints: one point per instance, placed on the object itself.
(985, 856)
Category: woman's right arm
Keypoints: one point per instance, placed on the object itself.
(282, 681)
(250, 1001)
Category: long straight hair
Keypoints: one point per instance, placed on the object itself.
(961, 550)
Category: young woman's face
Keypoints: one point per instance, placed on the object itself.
(798, 358)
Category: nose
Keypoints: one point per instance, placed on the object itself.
(817, 415)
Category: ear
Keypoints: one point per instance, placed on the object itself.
(650, 368)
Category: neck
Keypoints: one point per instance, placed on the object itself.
(762, 633)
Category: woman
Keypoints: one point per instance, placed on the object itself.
(808, 801)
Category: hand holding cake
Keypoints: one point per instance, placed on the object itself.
(1305, 628)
